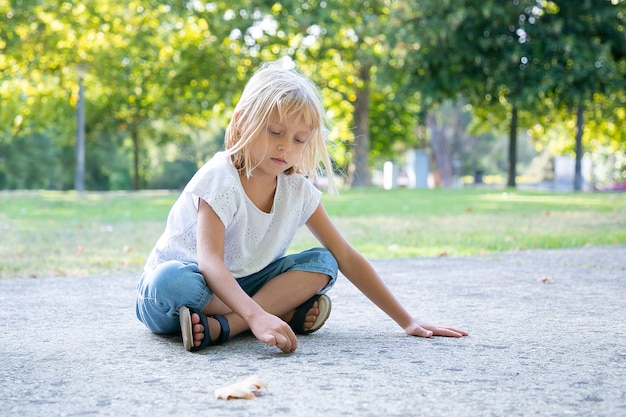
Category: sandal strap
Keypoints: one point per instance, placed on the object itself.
(224, 331)
(297, 321)
(206, 341)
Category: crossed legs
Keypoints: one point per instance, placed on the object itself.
(280, 297)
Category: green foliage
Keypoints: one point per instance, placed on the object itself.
(31, 162)
(583, 53)
(143, 64)
(159, 74)
(537, 60)
(346, 46)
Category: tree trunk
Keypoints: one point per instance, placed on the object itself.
(441, 150)
(360, 174)
(134, 135)
(578, 178)
(512, 172)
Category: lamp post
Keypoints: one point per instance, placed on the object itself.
(79, 184)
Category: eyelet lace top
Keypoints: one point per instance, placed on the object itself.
(253, 238)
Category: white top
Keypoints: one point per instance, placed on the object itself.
(253, 238)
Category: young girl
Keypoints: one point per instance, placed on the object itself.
(220, 268)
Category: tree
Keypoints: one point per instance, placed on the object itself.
(154, 64)
(523, 56)
(34, 96)
(583, 54)
(345, 47)
(146, 63)
(159, 71)
(477, 50)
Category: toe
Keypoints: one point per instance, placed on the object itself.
(198, 331)
(311, 316)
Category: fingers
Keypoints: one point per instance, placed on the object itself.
(460, 332)
(293, 342)
(428, 330)
(273, 331)
(449, 332)
(421, 332)
(283, 342)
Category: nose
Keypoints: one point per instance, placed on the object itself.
(283, 145)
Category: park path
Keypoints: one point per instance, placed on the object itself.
(547, 338)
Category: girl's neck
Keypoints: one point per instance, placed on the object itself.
(260, 190)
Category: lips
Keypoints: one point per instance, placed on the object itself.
(279, 161)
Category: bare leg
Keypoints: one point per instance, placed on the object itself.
(280, 297)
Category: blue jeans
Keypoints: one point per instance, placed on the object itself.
(173, 284)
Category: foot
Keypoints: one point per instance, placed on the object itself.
(311, 316)
(198, 329)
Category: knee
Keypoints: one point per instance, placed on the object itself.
(324, 263)
(164, 289)
(324, 257)
(172, 279)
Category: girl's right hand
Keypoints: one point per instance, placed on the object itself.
(273, 331)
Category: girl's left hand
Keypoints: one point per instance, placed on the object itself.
(422, 329)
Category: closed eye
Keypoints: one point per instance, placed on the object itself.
(275, 129)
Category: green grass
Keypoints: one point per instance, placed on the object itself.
(408, 223)
(56, 233)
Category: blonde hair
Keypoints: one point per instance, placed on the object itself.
(285, 92)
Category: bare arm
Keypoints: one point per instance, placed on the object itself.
(266, 327)
(360, 272)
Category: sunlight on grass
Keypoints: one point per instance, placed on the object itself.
(56, 233)
(569, 201)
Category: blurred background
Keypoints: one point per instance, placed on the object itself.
(128, 95)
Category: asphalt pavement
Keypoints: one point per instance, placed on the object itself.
(547, 338)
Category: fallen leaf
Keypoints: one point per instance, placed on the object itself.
(247, 389)
(545, 280)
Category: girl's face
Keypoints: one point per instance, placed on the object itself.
(278, 148)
